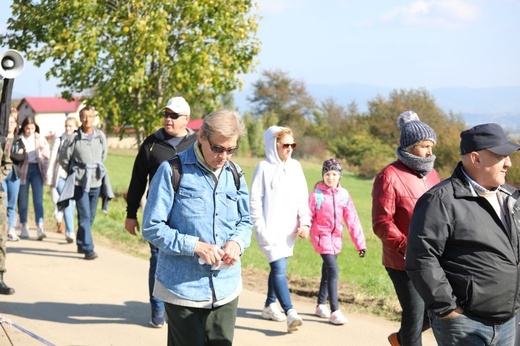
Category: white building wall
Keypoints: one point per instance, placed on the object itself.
(52, 123)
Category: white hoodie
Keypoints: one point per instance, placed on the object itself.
(278, 201)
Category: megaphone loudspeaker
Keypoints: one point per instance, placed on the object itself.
(11, 64)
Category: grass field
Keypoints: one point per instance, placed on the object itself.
(366, 277)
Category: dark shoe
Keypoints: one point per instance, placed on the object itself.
(394, 339)
(4, 289)
(80, 250)
(158, 319)
(91, 255)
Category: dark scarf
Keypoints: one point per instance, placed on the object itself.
(422, 165)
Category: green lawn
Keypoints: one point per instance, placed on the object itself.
(366, 276)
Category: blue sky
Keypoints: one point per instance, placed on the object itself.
(396, 44)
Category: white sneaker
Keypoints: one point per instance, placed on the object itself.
(12, 236)
(322, 311)
(41, 233)
(293, 320)
(271, 312)
(25, 232)
(337, 318)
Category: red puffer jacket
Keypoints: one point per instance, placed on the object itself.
(396, 190)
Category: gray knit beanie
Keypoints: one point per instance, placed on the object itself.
(413, 130)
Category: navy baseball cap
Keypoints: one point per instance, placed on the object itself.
(486, 136)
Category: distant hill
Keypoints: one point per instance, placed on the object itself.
(476, 105)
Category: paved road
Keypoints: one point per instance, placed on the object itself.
(66, 300)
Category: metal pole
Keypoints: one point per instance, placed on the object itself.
(5, 106)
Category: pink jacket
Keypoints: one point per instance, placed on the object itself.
(329, 207)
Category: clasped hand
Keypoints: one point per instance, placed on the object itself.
(213, 255)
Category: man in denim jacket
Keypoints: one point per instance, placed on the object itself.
(200, 230)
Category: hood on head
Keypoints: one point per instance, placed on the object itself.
(270, 144)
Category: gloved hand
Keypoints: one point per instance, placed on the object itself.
(362, 253)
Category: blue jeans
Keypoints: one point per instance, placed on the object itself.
(34, 179)
(11, 186)
(68, 212)
(277, 287)
(157, 304)
(414, 318)
(86, 204)
(329, 282)
(467, 331)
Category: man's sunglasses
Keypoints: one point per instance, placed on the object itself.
(287, 145)
(219, 150)
(171, 115)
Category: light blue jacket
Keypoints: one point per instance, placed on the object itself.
(202, 208)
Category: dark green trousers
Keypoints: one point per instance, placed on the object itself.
(201, 327)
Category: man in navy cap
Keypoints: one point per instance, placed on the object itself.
(463, 248)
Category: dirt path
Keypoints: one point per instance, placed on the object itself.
(66, 300)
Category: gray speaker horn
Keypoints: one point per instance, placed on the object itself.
(11, 64)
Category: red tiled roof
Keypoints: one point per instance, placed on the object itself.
(52, 105)
(195, 124)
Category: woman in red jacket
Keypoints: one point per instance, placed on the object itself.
(396, 190)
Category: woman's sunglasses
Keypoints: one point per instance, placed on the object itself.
(287, 145)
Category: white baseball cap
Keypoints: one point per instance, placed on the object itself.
(178, 105)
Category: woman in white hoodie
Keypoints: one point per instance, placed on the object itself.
(280, 213)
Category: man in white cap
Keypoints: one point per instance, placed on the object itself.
(463, 249)
(162, 145)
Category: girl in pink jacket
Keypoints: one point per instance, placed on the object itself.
(330, 204)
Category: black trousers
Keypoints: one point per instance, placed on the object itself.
(201, 327)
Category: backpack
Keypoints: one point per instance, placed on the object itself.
(176, 166)
(318, 194)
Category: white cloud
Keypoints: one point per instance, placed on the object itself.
(435, 13)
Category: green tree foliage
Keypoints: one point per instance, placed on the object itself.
(366, 141)
(331, 121)
(276, 93)
(254, 135)
(129, 57)
(364, 151)
(381, 122)
(513, 173)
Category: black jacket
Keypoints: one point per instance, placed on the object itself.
(460, 253)
(154, 150)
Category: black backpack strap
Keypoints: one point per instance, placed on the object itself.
(175, 163)
(236, 175)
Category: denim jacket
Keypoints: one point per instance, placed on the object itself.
(202, 209)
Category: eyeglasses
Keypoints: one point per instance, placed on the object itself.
(219, 150)
(287, 145)
(172, 115)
